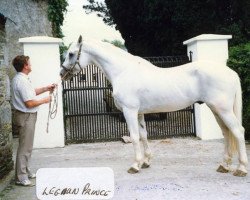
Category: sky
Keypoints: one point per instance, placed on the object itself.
(77, 22)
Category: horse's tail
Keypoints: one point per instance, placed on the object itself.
(238, 102)
(237, 108)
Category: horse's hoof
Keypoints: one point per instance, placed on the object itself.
(145, 165)
(132, 170)
(239, 173)
(222, 169)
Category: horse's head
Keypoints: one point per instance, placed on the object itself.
(75, 60)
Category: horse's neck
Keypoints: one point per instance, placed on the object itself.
(110, 69)
(107, 62)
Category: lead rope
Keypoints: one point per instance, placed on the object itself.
(53, 105)
(53, 108)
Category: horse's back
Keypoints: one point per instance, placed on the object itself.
(153, 89)
(217, 82)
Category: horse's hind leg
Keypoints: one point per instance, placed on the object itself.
(131, 117)
(225, 166)
(143, 136)
(235, 127)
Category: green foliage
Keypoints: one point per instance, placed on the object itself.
(239, 60)
(56, 10)
(63, 50)
(101, 10)
(116, 43)
(155, 28)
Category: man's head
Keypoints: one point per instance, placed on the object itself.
(22, 63)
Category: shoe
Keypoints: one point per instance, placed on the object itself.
(26, 183)
(32, 176)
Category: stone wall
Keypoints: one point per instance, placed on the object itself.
(6, 163)
(2, 38)
(24, 18)
(18, 19)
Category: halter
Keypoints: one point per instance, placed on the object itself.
(70, 70)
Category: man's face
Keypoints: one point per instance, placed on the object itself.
(28, 66)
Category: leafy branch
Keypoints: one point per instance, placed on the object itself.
(56, 11)
(101, 10)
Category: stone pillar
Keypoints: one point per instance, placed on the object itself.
(213, 48)
(45, 60)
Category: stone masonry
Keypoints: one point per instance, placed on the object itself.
(18, 19)
(6, 163)
(24, 18)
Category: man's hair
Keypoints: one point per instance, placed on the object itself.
(19, 61)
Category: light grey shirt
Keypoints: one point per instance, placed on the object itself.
(22, 91)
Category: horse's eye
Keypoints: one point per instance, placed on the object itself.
(71, 55)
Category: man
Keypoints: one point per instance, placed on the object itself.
(25, 103)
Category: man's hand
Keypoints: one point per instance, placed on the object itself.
(51, 87)
(47, 99)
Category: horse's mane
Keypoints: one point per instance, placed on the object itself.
(116, 51)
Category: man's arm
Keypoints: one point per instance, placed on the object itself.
(35, 103)
(41, 90)
(45, 89)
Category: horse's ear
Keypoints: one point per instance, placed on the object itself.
(80, 39)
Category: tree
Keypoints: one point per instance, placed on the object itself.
(116, 43)
(155, 28)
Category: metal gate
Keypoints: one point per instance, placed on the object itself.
(90, 114)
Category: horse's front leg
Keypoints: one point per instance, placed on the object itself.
(131, 116)
(143, 136)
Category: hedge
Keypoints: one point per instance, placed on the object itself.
(239, 60)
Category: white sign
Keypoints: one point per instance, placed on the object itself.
(75, 183)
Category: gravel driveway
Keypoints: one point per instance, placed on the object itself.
(183, 168)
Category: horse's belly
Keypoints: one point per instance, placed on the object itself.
(163, 106)
(166, 101)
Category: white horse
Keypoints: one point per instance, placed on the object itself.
(140, 87)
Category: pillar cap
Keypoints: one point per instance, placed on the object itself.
(40, 39)
(207, 37)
